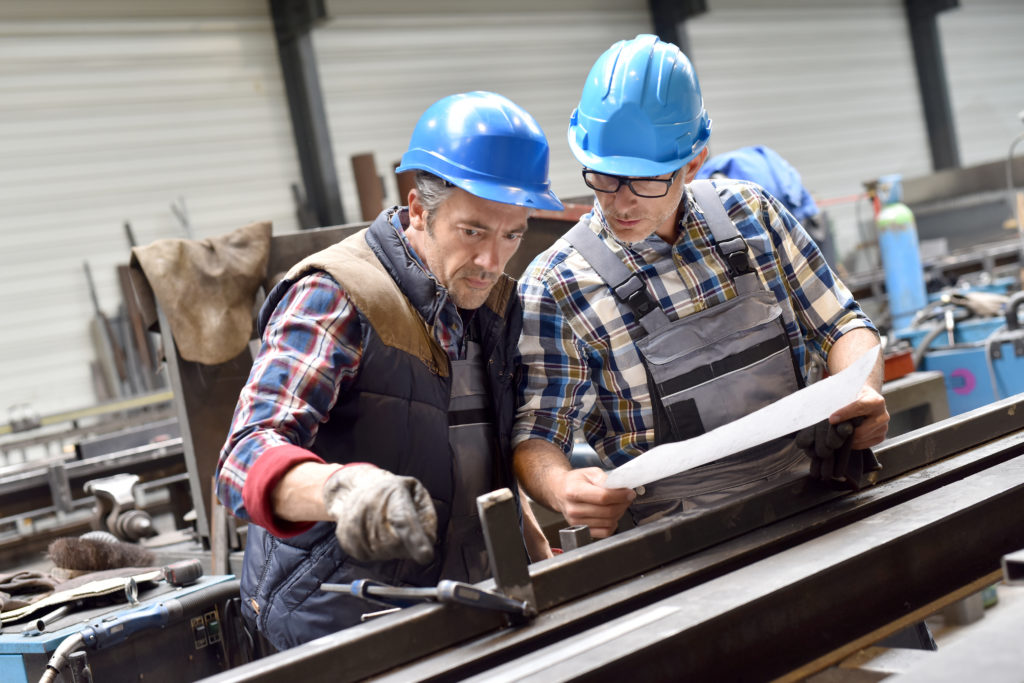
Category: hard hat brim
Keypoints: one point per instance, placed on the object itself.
(504, 193)
(624, 165)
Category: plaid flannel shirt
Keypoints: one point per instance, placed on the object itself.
(581, 369)
(311, 350)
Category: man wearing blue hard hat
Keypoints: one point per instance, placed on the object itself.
(675, 307)
(381, 403)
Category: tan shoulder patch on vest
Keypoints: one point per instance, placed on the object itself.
(504, 289)
(371, 288)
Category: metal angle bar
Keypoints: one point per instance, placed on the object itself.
(632, 594)
(367, 650)
(504, 541)
(767, 618)
(639, 550)
(35, 474)
(32, 489)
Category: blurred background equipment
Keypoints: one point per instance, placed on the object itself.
(766, 167)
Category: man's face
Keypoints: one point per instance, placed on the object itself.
(466, 242)
(632, 218)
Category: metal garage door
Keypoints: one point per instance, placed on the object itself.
(109, 111)
(830, 85)
(383, 63)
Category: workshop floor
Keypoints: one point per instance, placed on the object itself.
(947, 631)
(947, 626)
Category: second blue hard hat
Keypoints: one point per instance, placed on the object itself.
(487, 145)
(641, 112)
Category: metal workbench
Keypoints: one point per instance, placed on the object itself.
(781, 585)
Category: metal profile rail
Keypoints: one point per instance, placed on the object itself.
(616, 577)
(770, 617)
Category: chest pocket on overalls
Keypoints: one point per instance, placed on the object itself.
(707, 369)
(719, 365)
(472, 438)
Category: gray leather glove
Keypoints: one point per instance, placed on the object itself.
(832, 459)
(828, 447)
(381, 516)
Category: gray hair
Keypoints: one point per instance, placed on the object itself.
(433, 191)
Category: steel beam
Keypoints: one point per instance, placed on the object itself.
(623, 598)
(772, 616)
(293, 23)
(615, 577)
(922, 18)
(669, 20)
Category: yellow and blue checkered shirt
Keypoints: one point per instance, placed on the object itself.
(581, 368)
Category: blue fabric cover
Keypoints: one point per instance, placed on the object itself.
(764, 166)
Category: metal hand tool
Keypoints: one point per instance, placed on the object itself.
(446, 592)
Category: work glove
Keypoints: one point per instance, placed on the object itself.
(381, 516)
(832, 458)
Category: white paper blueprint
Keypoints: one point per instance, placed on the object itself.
(796, 411)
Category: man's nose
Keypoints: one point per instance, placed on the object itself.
(489, 256)
(624, 197)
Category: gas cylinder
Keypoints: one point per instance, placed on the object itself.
(901, 257)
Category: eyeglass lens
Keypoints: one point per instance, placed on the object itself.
(642, 187)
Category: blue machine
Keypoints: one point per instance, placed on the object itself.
(172, 635)
(984, 361)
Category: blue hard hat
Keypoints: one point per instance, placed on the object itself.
(487, 145)
(641, 111)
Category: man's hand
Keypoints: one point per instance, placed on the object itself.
(584, 500)
(828, 446)
(832, 459)
(869, 404)
(874, 423)
(381, 516)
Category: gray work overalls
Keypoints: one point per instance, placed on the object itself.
(472, 440)
(707, 369)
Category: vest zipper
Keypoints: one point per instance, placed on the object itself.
(260, 617)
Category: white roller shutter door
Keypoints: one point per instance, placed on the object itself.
(983, 41)
(109, 111)
(383, 64)
(830, 85)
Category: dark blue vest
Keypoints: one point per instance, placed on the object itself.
(396, 417)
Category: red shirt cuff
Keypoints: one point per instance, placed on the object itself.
(259, 484)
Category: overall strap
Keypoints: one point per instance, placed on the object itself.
(728, 241)
(627, 285)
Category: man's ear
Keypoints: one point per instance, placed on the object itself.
(417, 213)
(691, 168)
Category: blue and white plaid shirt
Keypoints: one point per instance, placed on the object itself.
(581, 368)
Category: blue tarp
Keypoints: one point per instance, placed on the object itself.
(765, 167)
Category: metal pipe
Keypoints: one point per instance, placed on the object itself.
(1015, 210)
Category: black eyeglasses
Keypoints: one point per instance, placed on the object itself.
(648, 188)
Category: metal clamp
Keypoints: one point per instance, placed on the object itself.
(499, 519)
(115, 507)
